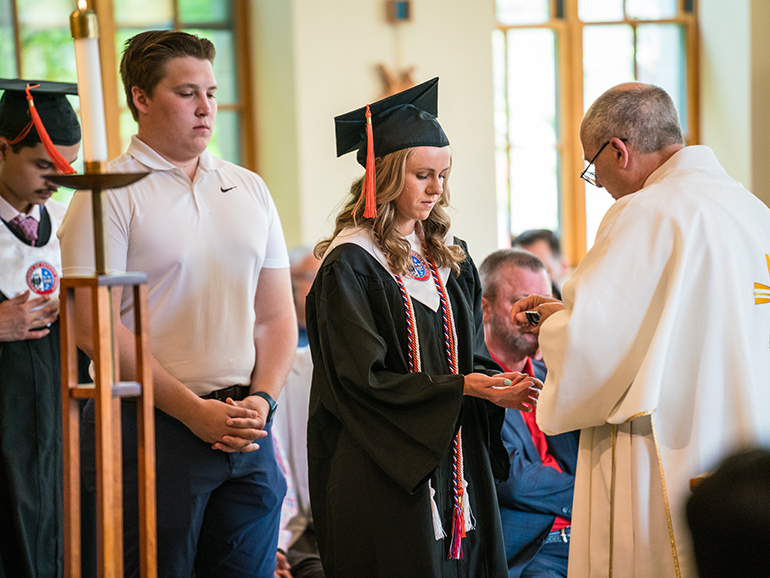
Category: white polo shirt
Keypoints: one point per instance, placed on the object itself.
(202, 246)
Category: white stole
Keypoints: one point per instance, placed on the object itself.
(424, 291)
(26, 267)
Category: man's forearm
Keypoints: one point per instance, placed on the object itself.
(208, 419)
(170, 395)
(276, 345)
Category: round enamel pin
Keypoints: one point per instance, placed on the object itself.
(418, 270)
(42, 278)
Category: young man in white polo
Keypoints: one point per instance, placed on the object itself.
(222, 323)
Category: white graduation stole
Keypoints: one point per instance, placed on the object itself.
(417, 280)
(25, 267)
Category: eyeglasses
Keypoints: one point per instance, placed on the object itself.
(589, 176)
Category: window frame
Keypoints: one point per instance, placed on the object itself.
(568, 37)
(110, 61)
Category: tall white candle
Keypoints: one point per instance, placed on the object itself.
(84, 27)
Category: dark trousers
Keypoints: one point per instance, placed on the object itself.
(216, 511)
(304, 558)
(550, 562)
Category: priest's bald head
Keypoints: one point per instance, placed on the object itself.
(627, 133)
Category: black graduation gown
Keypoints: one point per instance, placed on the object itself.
(377, 433)
(30, 453)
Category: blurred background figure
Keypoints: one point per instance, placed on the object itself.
(545, 244)
(290, 426)
(303, 266)
(536, 500)
(729, 517)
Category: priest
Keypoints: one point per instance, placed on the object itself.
(660, 350)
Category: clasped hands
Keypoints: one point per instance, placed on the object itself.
(22, 318)
(232, 426)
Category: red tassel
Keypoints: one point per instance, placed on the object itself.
(458, 515)
(23, 134)
(458, 533)
(368, 190)
(59, 161)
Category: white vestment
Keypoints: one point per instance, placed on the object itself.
(662, 358)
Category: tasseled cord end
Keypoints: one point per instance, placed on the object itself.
(59, 161)
(458, 533)
(368, 191)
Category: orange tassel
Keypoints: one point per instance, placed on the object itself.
(368, 190)
(23, 134)
(59, 161)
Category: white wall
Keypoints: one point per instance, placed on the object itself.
(735, 88)
(725, 58)
(276, 123)
(317, 59)
(330, 50)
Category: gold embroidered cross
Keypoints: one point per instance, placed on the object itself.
(762, 292)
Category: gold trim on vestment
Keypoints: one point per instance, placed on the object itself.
(762, 292)
(638, 415)
(613, 437)
(665, 499)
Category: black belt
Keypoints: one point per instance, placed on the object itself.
(236, 392)
(557, 536)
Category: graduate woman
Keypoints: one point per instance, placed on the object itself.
(404, 427)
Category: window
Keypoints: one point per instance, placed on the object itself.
(212, 19)
(35, 43)
(552, 59)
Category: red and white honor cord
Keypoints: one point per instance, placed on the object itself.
(461, 514)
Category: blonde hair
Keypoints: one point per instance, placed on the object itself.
(391, 175)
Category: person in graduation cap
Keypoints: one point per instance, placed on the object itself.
(39, 135)
(404, 427)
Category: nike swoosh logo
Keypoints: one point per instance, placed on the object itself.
(224, 190)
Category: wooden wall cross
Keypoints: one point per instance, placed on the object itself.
(395, 82)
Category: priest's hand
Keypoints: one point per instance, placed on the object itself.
(19, 322)
(226, 426)
(512, 390)
(521, 314)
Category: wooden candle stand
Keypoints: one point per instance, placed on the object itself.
(107, 392)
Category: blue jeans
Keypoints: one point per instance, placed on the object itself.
(216, 511)
(551, 560)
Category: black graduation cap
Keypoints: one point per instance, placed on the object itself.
(404, 120)
(52, 105)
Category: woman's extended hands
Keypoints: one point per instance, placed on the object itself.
(512, 390)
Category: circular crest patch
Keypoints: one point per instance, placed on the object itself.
(42, 278)
(418, 270)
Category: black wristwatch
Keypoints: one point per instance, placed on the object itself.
(270, 401)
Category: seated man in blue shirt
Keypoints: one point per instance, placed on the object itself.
(536, 501)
